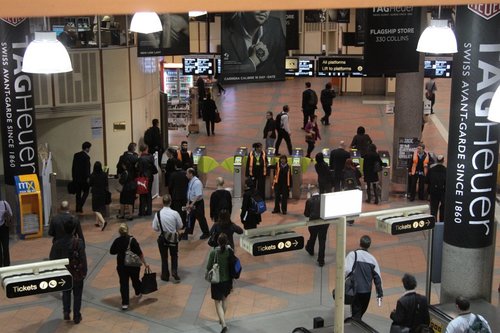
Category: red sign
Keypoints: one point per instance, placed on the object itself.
(13, 21)
(486, 11)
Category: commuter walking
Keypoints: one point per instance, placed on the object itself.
(365, 268)
(5, 213)
(361, 141)
(283, 126)
(256, 168)
(418, 172)
(80, 172)
(430, 92)
(126, 171)
(338, 157)
(225, 226)
(168, 222)
(56, 226)
(270, 130)
(309, 104)
(177, 188)
(220, 199)
(99, 189)
(312, 134)
(412, 309)
(146, 168)
(185, 156)
(350, 176)
(221, 290)
(372, 164)
(326, 98)
(209, 112)
(249, 217)
(118, 248)
(152, 138)
(466, 321)
(312, 210)
(436, 177)
(196, 205)
(282, 184)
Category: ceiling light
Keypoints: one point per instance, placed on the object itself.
(46, 55)
(196, 13)
(146, 23)
(494, 110)
(437, 38)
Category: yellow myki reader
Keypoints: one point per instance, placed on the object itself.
(271, 164)
(356, 159)
(326, 155)
(385, 175)
(30, 206)
(197, 154)
(297, 156)
(239, 162)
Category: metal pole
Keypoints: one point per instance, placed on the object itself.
(339, 279)
(428, 283)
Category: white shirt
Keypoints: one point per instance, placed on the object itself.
(4, 205)
(462, 323)
(195, 189)
(284, 122)
(170, 220)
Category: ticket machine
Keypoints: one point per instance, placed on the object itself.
(198, 153)
(356, 158)
(385, 175)
(297, 156)
(240, 157)
(271, 165)
(326, 155)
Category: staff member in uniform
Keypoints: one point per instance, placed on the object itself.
(281, 185)
(257, 168)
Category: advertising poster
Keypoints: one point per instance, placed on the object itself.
(18, 107)
(391, 38)
(292, 30)
(406, 147)
(342, 16)
(253, 46)
(173, 40)
(473, 139)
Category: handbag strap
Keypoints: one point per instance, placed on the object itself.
(129, 242)
(159, 221)
(355, 261)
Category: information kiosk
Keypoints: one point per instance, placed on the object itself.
(240, 159)
(297, 156)
(30, 206)
(271, 166)
(385, 175)
(198, 153)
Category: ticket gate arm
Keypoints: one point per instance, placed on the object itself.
(228, 164)
(207, 164)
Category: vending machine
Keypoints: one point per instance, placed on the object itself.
(30, 206)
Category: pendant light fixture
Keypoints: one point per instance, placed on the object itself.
(146, 23)
(494, 110)
(46, 55)
(196, 13)
(437, 38)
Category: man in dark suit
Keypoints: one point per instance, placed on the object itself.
(80, 172)
(56, 226)
(436, 177)
(337, 162)
(177, 187)
(253, 42)
(152, 137)
(309, 103)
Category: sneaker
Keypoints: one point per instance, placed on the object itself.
(205, 236)
(176, 277)
(124, 307)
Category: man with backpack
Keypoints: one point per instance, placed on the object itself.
(309, 104)
(282, 124)
(312, 210)
(436, 177)
(466, 321)
(72, 248)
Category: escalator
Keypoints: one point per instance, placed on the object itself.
(350, 326)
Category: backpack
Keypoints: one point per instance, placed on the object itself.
(350, 180)
(234, 266)
(257, 204)
(313, 98)
(278, 120)
(76, 263)
(477, 326)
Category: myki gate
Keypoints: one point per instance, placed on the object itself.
(297, 157)
(385, 175)
(271, 165)
(356, 158)
(326, 155)
(239, 162)
(197, 154)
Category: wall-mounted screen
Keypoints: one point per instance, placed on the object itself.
(437, 68)
(305, 68)
(197, 66)
(340, 66)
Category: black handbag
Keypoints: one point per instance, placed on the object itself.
(149, 283)
(71, 187)
(107, 199)
(170, 238)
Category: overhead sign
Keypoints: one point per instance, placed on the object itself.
(340, 66)
(344, 203)
(262, 245)
(20, 285)
(402, 225)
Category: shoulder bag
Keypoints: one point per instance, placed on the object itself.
(131, 259)
(171, 238)
(217, 117)
(213, 275)
(350, 284)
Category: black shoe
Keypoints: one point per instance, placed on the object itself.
(321, 263)
(302, 128)
(204, 236)
(308, 250)
(183, 236)
(176, 277)
(367, 200)
(224, 330)
(66, 316)
(104, 225)
(166, 279)
(275, 212)
(284, 212)
(77, 319)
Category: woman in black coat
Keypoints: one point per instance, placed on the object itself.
(370, 174)
(226, 226)
(325, 177)
(119, 247)
(249, 218)
(99, 184)
(209, 112)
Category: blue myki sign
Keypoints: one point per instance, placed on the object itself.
(27, 186)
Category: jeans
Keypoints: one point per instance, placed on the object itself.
(270, 142)
(77, 299)
(124, 273)
(164, 249)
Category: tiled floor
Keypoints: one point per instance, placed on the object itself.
(276, 292)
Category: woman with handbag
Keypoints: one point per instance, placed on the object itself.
(121, 245)
(209, 111)
(6, 220)
(312, 134)
(224, 226)
(99, 184)
(220, 290)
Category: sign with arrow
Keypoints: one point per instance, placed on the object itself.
(20, 285)
(262, 245)
(402, 225)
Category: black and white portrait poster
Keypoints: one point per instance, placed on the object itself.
(172, 40)
(391, 37)
(253, 46)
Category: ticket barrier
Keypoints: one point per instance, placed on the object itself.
(357, 159)
(326, 155)
(197, 154)
(240, 157)
(385, 175)
(271, 166)
(297, 157)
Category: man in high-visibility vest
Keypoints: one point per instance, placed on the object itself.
(256, 168)
(185, 156)
(281, 185)
(418, 172)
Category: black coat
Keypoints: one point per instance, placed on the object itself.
(436, 178)
(99, 184)
(80, 169)
(411, 311)
(248, 218)
(361, 143)
(368, 166)
(178, 186)
(56, 227)
(325, 179)
(220, 199)
(270, 127)
(146, 166)
(119, 247)
(209, 109)
(337, 160)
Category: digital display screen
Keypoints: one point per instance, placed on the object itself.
(197, 66)
(386, 161)
(238, 160)
(218, 66)
(196, 159)
(437, 68)
(58, 29)
(340, 66)
(296, 161)
(305, 68)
